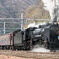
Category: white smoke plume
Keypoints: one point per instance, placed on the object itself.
(35, 25)
(50, 6)
(40, 49)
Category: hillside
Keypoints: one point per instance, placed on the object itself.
(30, 8)
(13, 8)
(37, 11)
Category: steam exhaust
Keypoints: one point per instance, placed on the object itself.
(38, 48)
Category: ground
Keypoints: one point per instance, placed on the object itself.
(9, 54)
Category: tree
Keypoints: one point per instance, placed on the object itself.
(37, 11)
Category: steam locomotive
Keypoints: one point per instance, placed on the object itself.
(46, 35)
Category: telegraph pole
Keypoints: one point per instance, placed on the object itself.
(4, 28)
(22, 21)
(56, 3)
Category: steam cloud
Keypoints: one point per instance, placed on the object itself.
(35, 25)
(40, 49)
(50, 6)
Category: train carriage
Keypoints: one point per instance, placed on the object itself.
(11, 40)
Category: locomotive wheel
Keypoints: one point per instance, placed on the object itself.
(46, 45)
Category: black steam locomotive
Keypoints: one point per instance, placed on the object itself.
(46, 35)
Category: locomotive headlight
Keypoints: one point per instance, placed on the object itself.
(58, 37)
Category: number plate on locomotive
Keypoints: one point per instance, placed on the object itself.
(58, 37)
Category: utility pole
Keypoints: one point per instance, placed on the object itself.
(22, 22)
(4, 27)
(56, 3)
